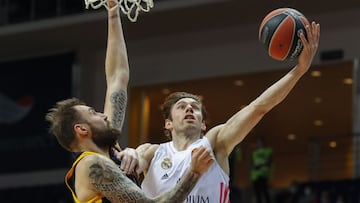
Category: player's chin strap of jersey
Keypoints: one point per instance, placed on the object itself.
(113, 151)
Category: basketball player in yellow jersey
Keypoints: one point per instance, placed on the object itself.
(185, 124)
(79, 128)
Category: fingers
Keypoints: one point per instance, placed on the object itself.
(202, 158)
(204, 154)
(127, 164)
(316, 29)
(313, 34)
(129, 160)
(310, 45)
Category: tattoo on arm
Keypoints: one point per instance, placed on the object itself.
(182, 189)
(119, 101)
(107, 179)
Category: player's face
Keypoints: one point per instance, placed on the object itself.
(186, 116)
(103, 134)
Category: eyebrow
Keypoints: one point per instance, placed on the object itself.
(192, 103)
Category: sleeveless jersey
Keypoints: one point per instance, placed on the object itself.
(169, 165)
(69, 178)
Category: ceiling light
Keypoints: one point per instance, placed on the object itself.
(348, 81)
(332, 144)
(316, 73)
(291, 136)
(317, 100)
(238, 83)
(318, 123)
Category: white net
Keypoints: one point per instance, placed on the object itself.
(131, 8)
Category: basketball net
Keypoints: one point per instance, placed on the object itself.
(130, 8)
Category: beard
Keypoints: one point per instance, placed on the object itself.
(105, 138)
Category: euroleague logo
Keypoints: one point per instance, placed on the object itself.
(299, 45)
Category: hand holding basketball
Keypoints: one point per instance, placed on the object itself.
(279, 32)
(310, 46)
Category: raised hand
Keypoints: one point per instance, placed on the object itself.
(310, 45)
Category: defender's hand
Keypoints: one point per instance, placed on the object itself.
(129, 160)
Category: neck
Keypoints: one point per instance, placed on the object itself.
(183, 142)
(102, 151)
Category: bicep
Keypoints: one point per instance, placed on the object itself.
(230, 134)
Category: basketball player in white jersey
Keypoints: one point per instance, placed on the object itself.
(164, 164)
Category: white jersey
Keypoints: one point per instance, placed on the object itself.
(169, 165)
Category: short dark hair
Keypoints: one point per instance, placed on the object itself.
(62, 117)
(172, 99)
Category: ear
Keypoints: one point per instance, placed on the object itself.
(168, 124)
(203, 127)
(81, 129)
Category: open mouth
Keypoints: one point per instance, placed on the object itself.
(189, 117)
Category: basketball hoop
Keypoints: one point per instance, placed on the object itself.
(130, 8)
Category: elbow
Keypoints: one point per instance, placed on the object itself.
(260, 107)
(122, 76)
(125, 76)
(260, 110)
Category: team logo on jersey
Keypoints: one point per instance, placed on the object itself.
(166, 163)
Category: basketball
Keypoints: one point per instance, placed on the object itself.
(279, 33)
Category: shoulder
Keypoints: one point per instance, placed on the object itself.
(96, 168)
(89, 170)
(90, 160)
(212, 135)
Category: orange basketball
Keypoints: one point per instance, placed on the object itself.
(279, 33)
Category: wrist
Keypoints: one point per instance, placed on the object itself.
(113, 15)
(113, 10)
(195, 174)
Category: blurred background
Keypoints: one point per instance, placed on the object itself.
(52, 50)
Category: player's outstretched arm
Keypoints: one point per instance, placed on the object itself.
(226, 136)
(116, 70)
